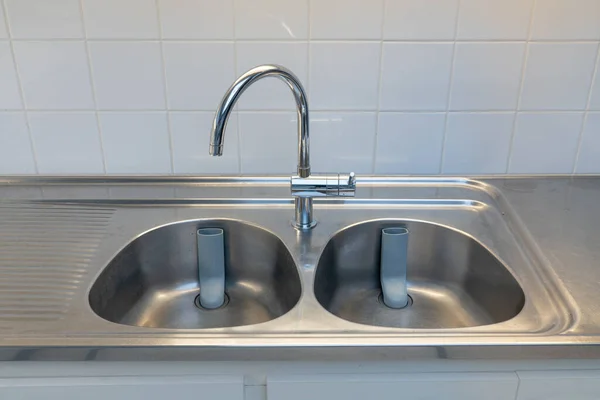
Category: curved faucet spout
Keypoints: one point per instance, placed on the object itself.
(235, 91)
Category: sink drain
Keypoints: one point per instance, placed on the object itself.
(198, 305)
(380, 301)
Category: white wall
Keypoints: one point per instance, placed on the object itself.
(395, 86)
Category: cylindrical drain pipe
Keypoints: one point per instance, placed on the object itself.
(394, 254)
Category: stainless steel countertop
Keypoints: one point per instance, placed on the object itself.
(557, 220)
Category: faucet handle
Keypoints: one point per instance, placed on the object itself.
(337, 185)
(346, 185)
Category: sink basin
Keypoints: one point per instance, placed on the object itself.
(153, 281)
(453, 280)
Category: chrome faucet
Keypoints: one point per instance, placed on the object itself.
(303, 186)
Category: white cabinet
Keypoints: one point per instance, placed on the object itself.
(559, 385)
(422, 386)
(128, 387)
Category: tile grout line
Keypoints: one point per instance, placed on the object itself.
(236, 73)
(165, 85)
(521, 87)
(379, 86)
(290, 40)
(337, 110)
(21, 89)
(93, 85)
(450, 86)
(587, 110)
(308, 78)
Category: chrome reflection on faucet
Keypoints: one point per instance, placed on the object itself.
(303, 186)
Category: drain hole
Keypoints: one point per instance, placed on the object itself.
(198, 305)
(380, 301)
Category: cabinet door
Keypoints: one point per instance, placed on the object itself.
(559, 385)
(130, 388)
(425, 386)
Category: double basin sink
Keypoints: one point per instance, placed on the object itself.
(471, 267)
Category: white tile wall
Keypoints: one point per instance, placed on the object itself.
(494, 20)
(346, 13)
(588, 161)
(134, 82)
(545, 143)
(16, 152)
(395, 86)
(486, 76)
(43, 19)
(344, 75)
(196, 19)
(409, 142)
(81, 139)
(415, 76)
(487, 136)
(420, 19)
(54, 75)
(198, 73)
(10, 98)
(558, 76)
(566, 20)
(343, 141)
(120, 19)
(136, 142)
(3, 32)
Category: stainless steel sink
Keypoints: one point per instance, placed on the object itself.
(453, 280)
(123, 268)
(153, 281)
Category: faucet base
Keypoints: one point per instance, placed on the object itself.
(304, 213)
(302, 227)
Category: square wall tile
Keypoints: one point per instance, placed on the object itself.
(66, 143)
(416, 76)
(420, 19)
(271, 93)
(62, 81)
(346, 19)
(342, 142)
(271, 19)
(196, 19)
(595, 95)
(477, 143)
(43, 19)
(558, 76)
(344, 75)
(3, 29)
(566, 20)
(494, 19)
(268, 142)
(10, 98)
(189, 133)
(128, 75)
(487, 76)
(588, 161)
(409, 143)
(16, 155)
(198, 74)
(135, 142)
(121, 19)
(545, 143)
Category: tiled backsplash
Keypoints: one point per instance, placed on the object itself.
(395, 86)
